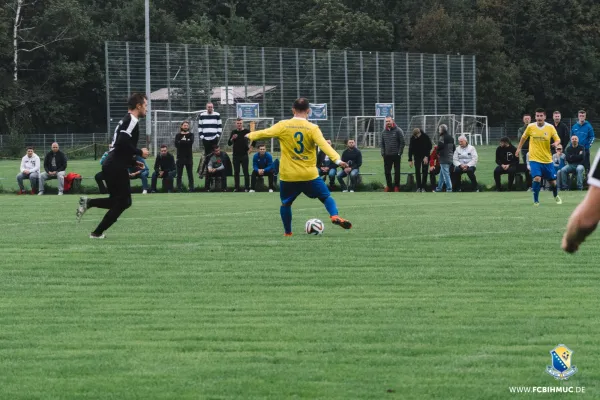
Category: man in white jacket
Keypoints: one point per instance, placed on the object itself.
(465, 162)
(30, 169)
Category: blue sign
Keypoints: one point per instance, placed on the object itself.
(384, 110)
(247, 110)
(318, 112)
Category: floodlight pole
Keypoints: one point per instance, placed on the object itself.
(147, 39)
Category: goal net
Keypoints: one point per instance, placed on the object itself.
(475, 127)
(430, 124)
(365, 130)
(166, 124)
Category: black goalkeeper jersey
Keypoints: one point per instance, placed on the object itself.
(124, 143)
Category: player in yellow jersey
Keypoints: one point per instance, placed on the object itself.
(299, 139)
(540, 134)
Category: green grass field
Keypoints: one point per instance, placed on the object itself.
(199, 296)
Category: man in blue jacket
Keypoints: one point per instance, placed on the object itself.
(262, 164)
(584, 131)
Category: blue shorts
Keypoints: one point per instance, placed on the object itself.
(315, 189)
(546, 171)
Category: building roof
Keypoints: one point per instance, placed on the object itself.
(238, 92)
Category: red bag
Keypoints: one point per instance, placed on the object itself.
(69, 178)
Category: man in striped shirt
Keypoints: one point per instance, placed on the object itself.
(209, 128)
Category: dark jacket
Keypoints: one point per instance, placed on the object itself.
(420, 147)
(241, 145)
(60, 160)
(564, 133)
(445, 148)
(166, 163)
(183, 144)
(575, 155)
(203, 164)
(265, 162)
(506, 155)
(520, 133)
(392, 142)
(324, 161)
(353, 157)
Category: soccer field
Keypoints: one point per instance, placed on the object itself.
(453, 296)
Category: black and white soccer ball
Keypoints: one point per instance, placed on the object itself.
(314, 226)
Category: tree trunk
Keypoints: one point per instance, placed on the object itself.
(15, 40)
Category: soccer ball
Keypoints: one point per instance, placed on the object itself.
(314, 227)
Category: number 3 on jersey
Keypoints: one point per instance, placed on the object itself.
(299, 140)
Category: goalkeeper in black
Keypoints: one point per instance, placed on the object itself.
(115, 167)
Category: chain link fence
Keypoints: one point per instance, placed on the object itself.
(185, 77)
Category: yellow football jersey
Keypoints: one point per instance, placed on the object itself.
(298, 139)
(539, 142)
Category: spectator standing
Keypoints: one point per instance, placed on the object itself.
(465, 162)
(326, 167)
(209, 128)
(584, 131)
(55, 165)
(562, 129)
(30, 169)
(353, 157)
(392, 147)
(240, 148)
(525, 149)
(164, 168)
(420, 148)
(445, 153)
(262, 165)
(184, 142)
(507, 163)
(575, 157)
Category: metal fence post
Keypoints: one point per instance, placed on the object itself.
(209, 87)
(435, 84)
(422, 88)
(393, 83)
(246, 77)
(449, 95)
(107, 88)
(377, 74)
(297, 73)
(362, 85)
(462, 77)
(281, 81)
(128, 70)
(330, 111)
(347, 96)
(168, 77)
(262, 56)
(187, 78)
(314, 75)
(225, 51)
(407, 90)
(474, 87)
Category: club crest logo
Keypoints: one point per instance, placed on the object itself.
(561, 367)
